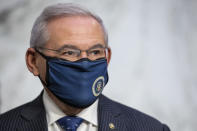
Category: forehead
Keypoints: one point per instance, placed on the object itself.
(80, 31)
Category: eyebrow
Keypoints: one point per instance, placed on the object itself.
(68, 46)
(97, 46)
(75, 47)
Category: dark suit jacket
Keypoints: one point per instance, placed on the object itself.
(32, 117)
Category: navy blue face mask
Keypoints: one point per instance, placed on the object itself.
(76, 83)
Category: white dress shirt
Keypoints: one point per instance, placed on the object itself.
(53, 113)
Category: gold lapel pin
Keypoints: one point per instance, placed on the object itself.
(111, 126)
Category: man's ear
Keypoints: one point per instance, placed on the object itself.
(108, 55)
(31, 59)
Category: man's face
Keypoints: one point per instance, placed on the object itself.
(79, 32)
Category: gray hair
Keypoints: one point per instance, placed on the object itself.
(40, 34)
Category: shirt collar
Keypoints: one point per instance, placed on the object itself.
(53, 113)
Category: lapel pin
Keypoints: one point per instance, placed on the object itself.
(111, 126)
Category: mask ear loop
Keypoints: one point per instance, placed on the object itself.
(45, 83)
(106, 52)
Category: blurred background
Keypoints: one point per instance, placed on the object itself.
(154, 49)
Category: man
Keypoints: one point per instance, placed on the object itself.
(69, 52)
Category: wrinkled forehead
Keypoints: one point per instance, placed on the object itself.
(76, 30)
(74, 23)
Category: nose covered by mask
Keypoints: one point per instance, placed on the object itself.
(76, 83)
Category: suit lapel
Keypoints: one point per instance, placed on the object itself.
(110, 117)
(34, 116)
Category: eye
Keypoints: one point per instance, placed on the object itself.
(70, 53)
(95, 52)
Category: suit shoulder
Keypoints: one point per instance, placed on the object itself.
(136, 118)
(15, 110)
(11, 117)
